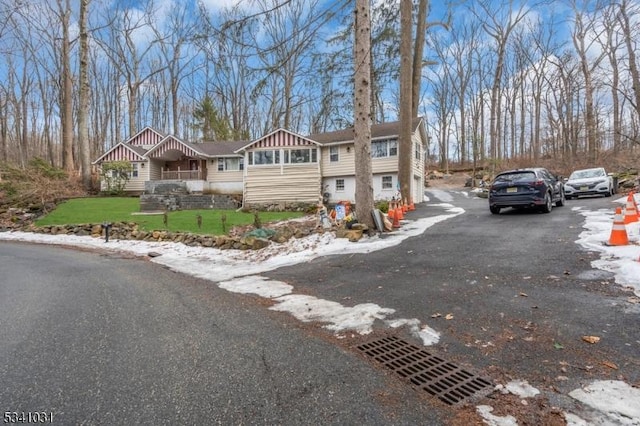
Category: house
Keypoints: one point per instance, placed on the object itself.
(281, 167)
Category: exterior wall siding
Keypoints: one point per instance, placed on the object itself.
(136, 184)
(226, 182)
(282, 139)
(349, 192)
(172, 144)
(384, 164)
(155, 168)
(418, 169)
(146, 139)
(121, 153)
(268, 184)
(345, 164)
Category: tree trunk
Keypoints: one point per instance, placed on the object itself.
(418, 52)
(84, 148)
(67, 91)
(404, 143)
(631, 46)
(362, 110)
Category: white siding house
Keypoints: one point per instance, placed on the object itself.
(281, 167)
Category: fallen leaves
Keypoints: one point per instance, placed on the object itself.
(609, 364)
(591, 339)
(438, 315)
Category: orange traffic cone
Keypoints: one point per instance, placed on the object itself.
(630, 211)
(399, 212)
(391, 212)
(412, 206)
(405, 206)
(618, 231)
(632, 195)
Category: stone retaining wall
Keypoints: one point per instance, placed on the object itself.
(131, 231)
(171, 202)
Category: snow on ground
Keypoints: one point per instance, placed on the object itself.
(238, 271)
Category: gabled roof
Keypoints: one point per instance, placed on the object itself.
(170, 143)
(221, 148)
(146, 136)
(122, 151)
(380, 130)
(279, 138)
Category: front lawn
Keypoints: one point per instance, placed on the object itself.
(124, 209)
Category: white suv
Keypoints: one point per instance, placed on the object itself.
(594, 181)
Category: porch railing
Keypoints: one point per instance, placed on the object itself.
(181, 174)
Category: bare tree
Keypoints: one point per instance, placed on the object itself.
(499, 21)
(227, 73)
(132, 57)
(362, 117)
(180, 32)
(406, 104)
(627, 12)
(582, 41)
(611, 44)
(66, 94)
(84, 147)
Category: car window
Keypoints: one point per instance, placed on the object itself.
(546, 174)
(516, 176)
(585, 174)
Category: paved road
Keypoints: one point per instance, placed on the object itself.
(97, 339)
(521, 292)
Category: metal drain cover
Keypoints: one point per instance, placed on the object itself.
(445, 380)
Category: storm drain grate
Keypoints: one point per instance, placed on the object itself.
(440, 378)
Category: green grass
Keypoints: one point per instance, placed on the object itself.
(114, 209)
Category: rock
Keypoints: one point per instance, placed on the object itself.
(96, 230)
(352, 235)
(283, 234)
(253, 243)
(361, 226)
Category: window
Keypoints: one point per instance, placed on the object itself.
(387, 182)
(230, 164)
(416, 151)
(299, 156)
(134, 170)
(334, 154)
(384, 148)
(264, 157)
(339, 185)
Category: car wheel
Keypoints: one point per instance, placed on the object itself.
(548, 204)
(494, 209)
(609, 193)
(562, 199)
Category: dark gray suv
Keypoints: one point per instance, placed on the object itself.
(526, 188)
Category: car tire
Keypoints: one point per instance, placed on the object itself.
(562, 199)
(494, 209)
(548, 204)
(609, 193)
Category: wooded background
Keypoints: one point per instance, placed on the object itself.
(499, 80)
